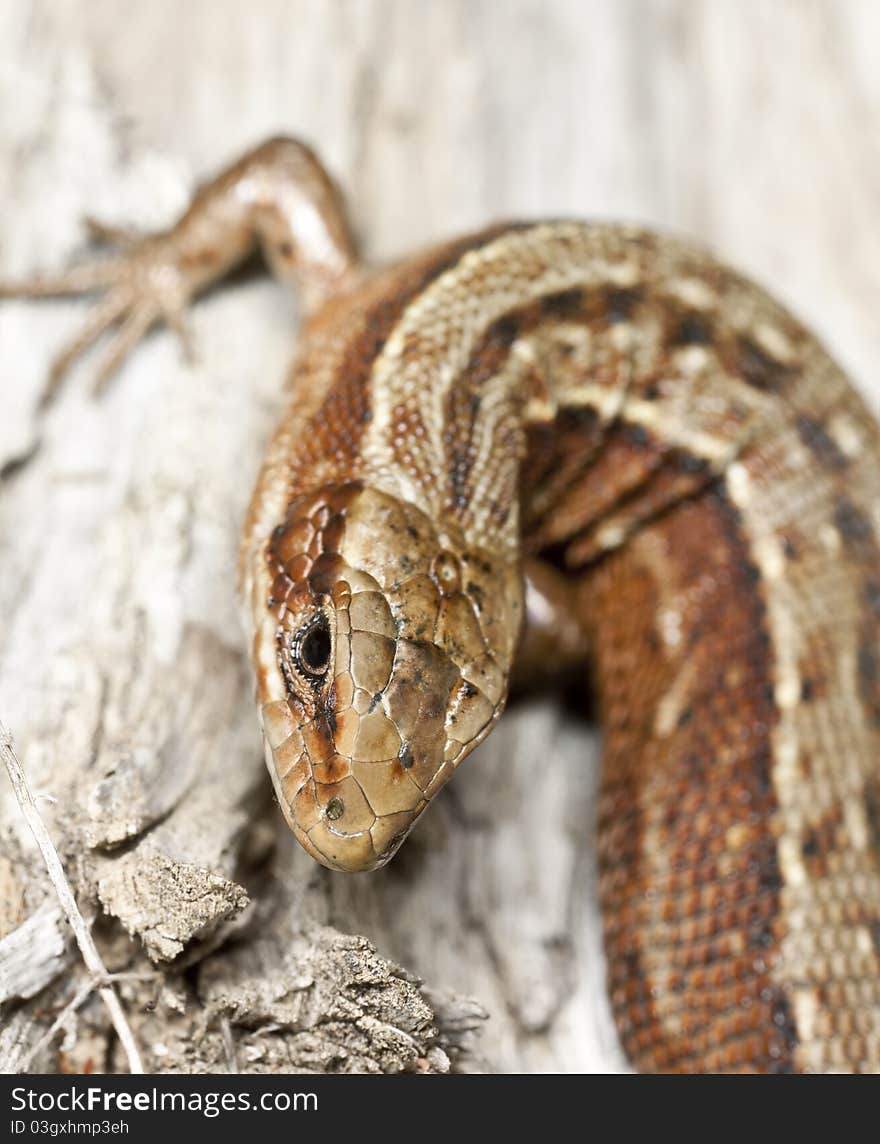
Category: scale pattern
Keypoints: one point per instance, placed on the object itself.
(621, 406)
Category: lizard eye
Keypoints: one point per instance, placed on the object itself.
(312, 646)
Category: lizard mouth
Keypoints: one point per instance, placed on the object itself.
(350, 854)
(348, 814)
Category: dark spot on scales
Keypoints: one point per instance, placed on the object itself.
(564, 304)
(688, 463)
(620, 304)
(406, 756)
(573, 418)
(783, 1019)
(636, 435)
(504, 329)
(760, 934)
(757, 368)
(692, 330)
(851, 522)
(767, 869)
(459, 471)
(475, 592)
(820, 841)
(823, 447)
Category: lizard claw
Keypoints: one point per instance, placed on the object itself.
(100, 318)
(138, 288)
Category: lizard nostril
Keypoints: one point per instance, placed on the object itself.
(446, 572)
(335, 808)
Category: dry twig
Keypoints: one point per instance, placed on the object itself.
(63, 889)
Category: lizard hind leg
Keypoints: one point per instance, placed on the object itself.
(554, 640)
(277, 197)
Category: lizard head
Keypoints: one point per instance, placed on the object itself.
(382, 658)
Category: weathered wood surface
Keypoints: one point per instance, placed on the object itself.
(754, 127)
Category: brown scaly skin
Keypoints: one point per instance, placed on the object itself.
(704, 483)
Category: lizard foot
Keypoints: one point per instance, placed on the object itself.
(138, 287)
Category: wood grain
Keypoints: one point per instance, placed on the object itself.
(752, 127)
